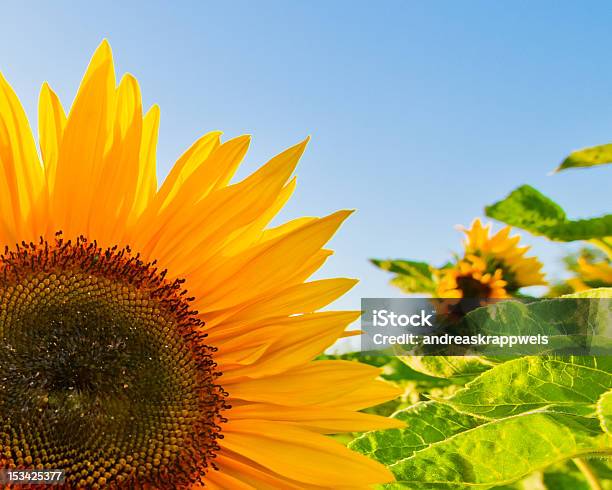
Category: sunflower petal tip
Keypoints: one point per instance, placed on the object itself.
(130, 77)
(104, 49)
(45, 90)
(155, 109)
(343, 214)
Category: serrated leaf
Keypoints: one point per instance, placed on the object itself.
(500, 452)
(604, 411)
(531, 383)
(411, 276)
(587, 157)
(529, 209)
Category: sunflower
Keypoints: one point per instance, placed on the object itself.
(591, 274)
(469, 279)
(492, 267)
(164, 337)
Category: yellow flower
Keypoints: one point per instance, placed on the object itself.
(110, 370)
(598, 273)
(501, 251)
(470, 279)
(493, 266)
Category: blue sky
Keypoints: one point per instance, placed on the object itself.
(420, 112)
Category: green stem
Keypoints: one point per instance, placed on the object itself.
(588, 473)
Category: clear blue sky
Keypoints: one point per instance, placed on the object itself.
(420, 112)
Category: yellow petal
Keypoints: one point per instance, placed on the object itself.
(305, 336)
(301, 298)
(115, 192)
(51, 124)
(251, 234)
(87, 133)
(266, 267)
(302, 455)
(203, 229)
(340, 384)
(174, 203)
(255, 475)
(223, 480)
(196, 157)
(21, 175)
(147, 175)
(301, 274)
(319, 419)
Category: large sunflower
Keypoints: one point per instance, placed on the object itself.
(492, 267)
(108, 368)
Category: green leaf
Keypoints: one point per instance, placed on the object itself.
(603, 293)
(519, 422)
(448, 366)
(411, 276)
(530, 383)
(426, 423)
(530, 210)
(572, 322)
(441, 448)
(604, 411)
(500, 452)
(587, 157)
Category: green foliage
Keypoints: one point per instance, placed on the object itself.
(522, 423)
(587, 157)
(448, 366)
(604, 411)
(427, 423)
(531, 383)
(529, 209)
(410, 276)
(445, 449)
(530, 423)
(605, 293)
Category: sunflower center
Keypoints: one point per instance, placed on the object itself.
(473, 288)
(103, 370)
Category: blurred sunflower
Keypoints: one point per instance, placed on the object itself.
(469, 279)
(591, 274)
(109, 369)
(492, 267)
